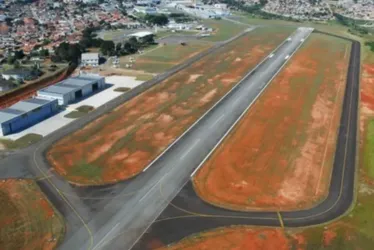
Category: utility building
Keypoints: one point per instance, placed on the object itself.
(72, 89)
(26, 113)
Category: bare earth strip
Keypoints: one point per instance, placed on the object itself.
(121, 143)
(280, 155)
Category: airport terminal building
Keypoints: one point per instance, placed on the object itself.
(25, 113)
(72, 89)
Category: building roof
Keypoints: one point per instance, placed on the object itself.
(21, 108)
(90, 56)
(141, 34)
(70, 85)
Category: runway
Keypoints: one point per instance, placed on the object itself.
(116, 216)
(188, 214)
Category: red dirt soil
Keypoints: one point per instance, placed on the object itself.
(121, 143)
(280, 155)
(27, 219)
(367, 96)
(234, 238)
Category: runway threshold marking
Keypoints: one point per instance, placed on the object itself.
(280, 219)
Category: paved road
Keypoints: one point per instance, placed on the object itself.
(189, 214)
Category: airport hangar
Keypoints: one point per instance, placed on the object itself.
(72, 89)
(25, 113)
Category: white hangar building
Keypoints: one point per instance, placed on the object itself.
(72, 89)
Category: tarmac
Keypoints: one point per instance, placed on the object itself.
(157, 201)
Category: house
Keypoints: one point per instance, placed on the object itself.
(17, 74)
(90, 59)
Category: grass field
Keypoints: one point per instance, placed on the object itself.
(355, 230)
(166, 56)
(22, 142)
(121, 143)
(27, 219)
(223, 29)
(289, 167)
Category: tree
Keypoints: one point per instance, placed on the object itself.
(44, 53)
(107, 47)
(157, 19)
(11, 60)
(19, 54)
(148, 39)
(16, 65)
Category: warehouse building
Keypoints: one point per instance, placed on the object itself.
(25, 113)
(72, 89)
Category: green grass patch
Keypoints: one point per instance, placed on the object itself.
(122, 89)
(85, 108)
(144, 77)
(368, 160)
(75, 114)
(224, 29)
(86, 170)
(22, 142)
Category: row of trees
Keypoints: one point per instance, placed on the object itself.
(159, 20)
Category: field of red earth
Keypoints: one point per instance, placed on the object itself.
(27, 219)
(280, 155)
(234, 238)
(120, 144)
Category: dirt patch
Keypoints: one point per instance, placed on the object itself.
(234, 238)
(27, 219)
(103, 151)
(280, 155)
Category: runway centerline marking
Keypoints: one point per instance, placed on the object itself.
(106, 235)
(189, 149)
(220, 118)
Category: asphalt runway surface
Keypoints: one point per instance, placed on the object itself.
(119, 214)
(188, 214)
(81, 206)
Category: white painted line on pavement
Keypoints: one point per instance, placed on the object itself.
(219, 101)
(106, 235)
(220, 118)
(190, 148)
(245, 111)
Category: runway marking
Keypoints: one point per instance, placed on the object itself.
(220, 118)
(64, 198)
(330, 128)
(43, 177)
(190, 148)
(280, 219)
(106, 235)
(219, 101)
